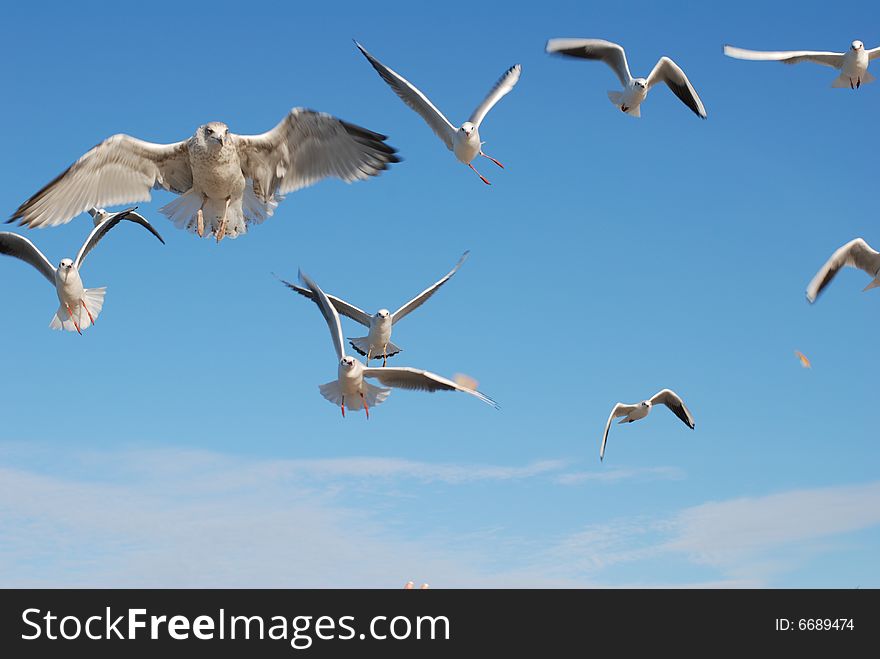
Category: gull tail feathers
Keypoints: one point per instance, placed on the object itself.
(615, 97)
(874, 284)
(182, 210)
(255, 209)
(94, 300)
(374, 395)
(362, 346)
(845, 81)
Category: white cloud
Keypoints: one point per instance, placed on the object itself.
(616, 475)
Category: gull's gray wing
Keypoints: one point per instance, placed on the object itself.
(404, 377)
(674, 402)
(422, 297)
(504, 85)
(619, 409)
(120, 170)
(11, 244)
(669, 72)
(101, 230)
(341, 306)
(874, 53)
(856, 254)
(308, 146)
(329, 313)
(834, 60)
(410, 95)
(596, 49)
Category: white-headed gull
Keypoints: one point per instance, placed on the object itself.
(635, 90)
(378, 342)
(855, 254)
(79, 306)
(350, 387)
(638, 411)
(463, 141)
(853, 64)
(225, 180)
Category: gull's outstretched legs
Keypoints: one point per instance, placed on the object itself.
(492, 159)
(343, 407)
(83, 302)
(75, 324)
(221, 230)
(482, 178)
(366, 407)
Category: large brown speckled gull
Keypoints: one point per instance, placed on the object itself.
(225, 181)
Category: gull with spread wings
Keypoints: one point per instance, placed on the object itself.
(350, 387)
(225, 181)
(378, 342)
(635, 90)
(638, 411)
(855, 254)
(79, 306)
(463, 141)
(853, 64)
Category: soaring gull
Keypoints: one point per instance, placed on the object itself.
(378, 342)
(638, 411)
(350, 387)
(225, 180)
(463, 141)
(79, 306)
(635, 90)
(853, 64)
(855, 254)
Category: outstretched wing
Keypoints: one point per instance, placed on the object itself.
(834, 60)
(101, 230)
(120, 170)
(414, 98)
(856, 254)
(422, 297)
(20, 247)
(874, 53)
(674, 402)
(504, 85)
(620, 409)
(669, 72)
(329, 313)
(596, 49)
(341, 306)
(415, 378)
(308, 146)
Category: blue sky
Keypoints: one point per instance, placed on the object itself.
(183, 440)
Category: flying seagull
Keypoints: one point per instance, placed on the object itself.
(75, 300)
(856, 254)
(225, 180)
(350, 388)
(853, 64)
(635, 90)
(638, 411)
(463, 141)
(378, 342)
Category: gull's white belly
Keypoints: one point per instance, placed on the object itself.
(855, 64)
(217, 174)
(633, 97)
(350, 381)
(639, 413)
(466, 149)
(379, 336)
(70, 289)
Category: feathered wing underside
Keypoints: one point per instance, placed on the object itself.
(308, 146)
(834, 60)
(11, 244)
(504, 85)
(422, 297)
(856, 254)
(417, 379)
(104, 227)
(594, 49)
(873, 53)
(414, 98)
(341, 306)
(674, 402)
(329, 313)
(619, 410)
(669, 72)
(119, 170)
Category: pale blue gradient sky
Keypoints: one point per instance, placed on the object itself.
(612, 257)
